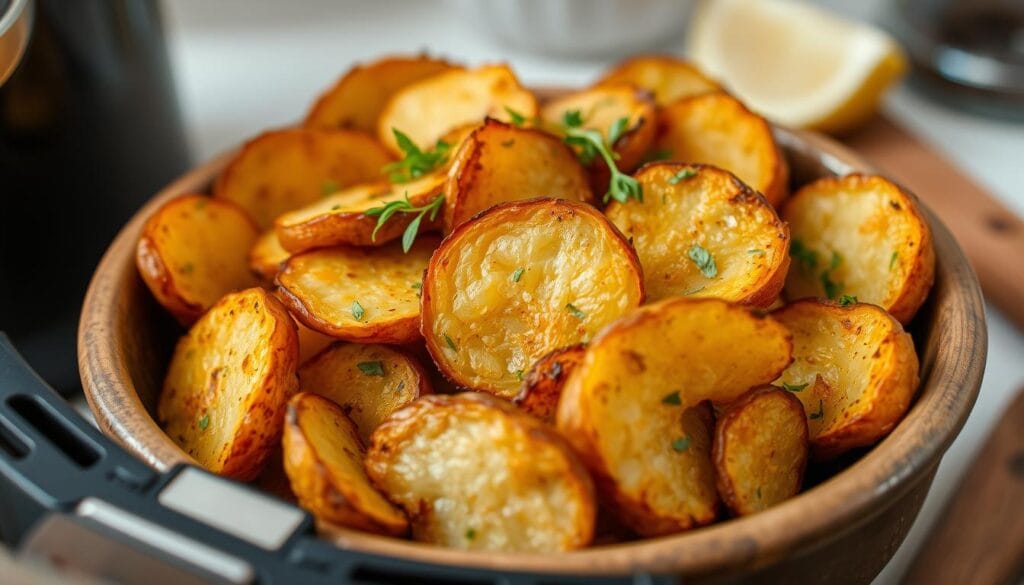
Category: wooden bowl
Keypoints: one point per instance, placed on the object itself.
(842, 530)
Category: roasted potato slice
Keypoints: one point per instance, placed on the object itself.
(520, 280)
(428, 109)
(717, 129)
(542, 385)
(600, 108)
(667, 78)
(323, 457)
(224, 396)
(356, 100)
(369, 295)
(472, 472)
(311, 342)
(701, 232)
(267, 255)
(854, 370)
(285, 169)
(368, 382)
(340, 219)
(622, 407)
(500, 162)
(760, 450)
(864, 237)
(192, 251)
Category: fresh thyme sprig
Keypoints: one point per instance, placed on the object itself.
(590, 145)
(416, 162)
(384, 213)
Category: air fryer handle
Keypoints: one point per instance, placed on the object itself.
(73, 495)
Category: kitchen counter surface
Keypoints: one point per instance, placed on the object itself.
(244, 66)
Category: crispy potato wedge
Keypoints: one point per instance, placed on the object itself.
(520, 280)
(472, 472)
(340, 219)
(760, 450)
(600, 108)
(192, 251)
(500, 162)
(688, 210)
(311, 342)
(224, 396)
(542, 385)
(356, 100)
(323, 457)
(358, 294)
(428, 109)
(855, 371)
(623, 407)
(717, 129)
(368, 382)
(667, 78)
(863, 236)
(267, 255)
(285, 169)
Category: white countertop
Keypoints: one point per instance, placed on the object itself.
(246, 65)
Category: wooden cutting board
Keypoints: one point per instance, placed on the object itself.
(990, 234)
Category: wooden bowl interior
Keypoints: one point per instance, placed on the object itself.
(126, 340)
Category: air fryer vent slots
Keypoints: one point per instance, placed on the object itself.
(364, 575)
(59, 431)
(11, 443)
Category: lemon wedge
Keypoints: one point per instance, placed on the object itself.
(796, 64)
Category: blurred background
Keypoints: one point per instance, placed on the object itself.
(162, 85)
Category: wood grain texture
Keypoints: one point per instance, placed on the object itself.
(979, 538)
(843, 530)
(990, 234)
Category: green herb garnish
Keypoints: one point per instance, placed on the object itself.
(371, 368)
(519, 375)
(328, 187)
(617, 129)
(204, 422)
(672, 399)
(682, 176)
(384, 213)
(832, 288)
(704, 260)
(681, 444)
(518, 274)
(357, 311)
(416, 162)
(756, 252)
(794, 387)
(470, 533)
(803, 254)
(575, 312)
(892, 260)
(847, 300)
(450, 343)
(515, 117)
(820, 413)
(621, 187)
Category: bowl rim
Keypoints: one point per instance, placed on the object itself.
(853, 497)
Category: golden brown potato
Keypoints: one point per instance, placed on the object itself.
(622, 407)
(667, 78)
(323, 457)
(472, 472)
(356, 100)
(369, 295)
(716, 129)
(854, 370)
(500, 162)
(701, 232)
(192, 251)
(542, 385)
(340, 219)
(267, 255)
(520, 280)
(311, 342)
(760, 450)
(368, 382)
(600, 107)
(428, 109)
(224, 396)
(285, 169)
(860, 236)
